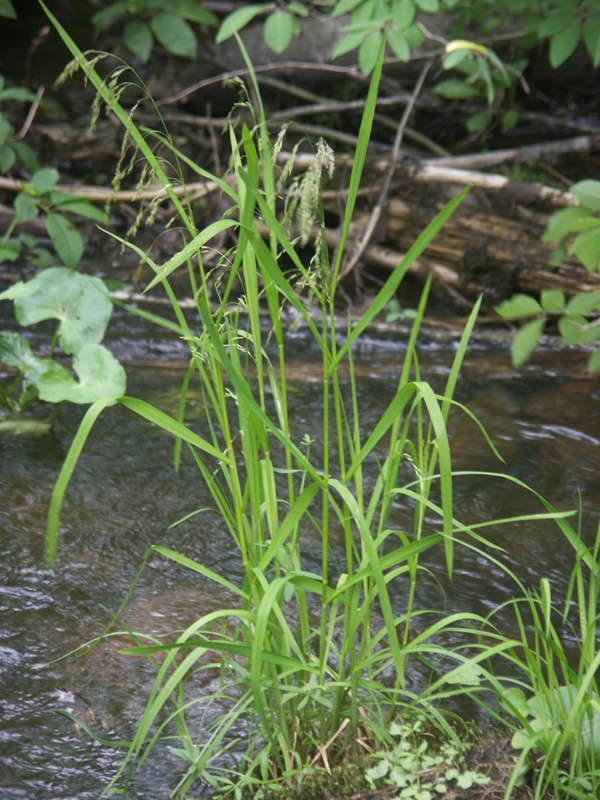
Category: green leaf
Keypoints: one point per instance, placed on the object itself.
(6, 129)
(556, 22)
(368, 51)
(78, 302)
(566, 221)
(453, 59)
(403, 13)
(67, 241)
(26, 207)
(552, 300)
(518, 306)
(100, 376)
(428, 6)
(15, 351)
(345, 6)
(584, 303)
(571, 328)
(45, 179)
(587, 193)
(7, 9)
(175, 35)
(525, 341)
(456, 89)
(296, 7)
(7, 158)
(280, 27)
(563, 44)
(17, 93)
(466, 674)
(349, 42)
(9, 252)
(138, 38)
(81, 207)
(238, 19)
(114, 12)
(193, 11)
(20, 289)
(380, 770)
(515, 701)
(478, 122)
(510, 119)
(587, 248)
(593, 366)
(398, 43)
(591, 36)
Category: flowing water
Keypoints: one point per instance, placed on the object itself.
(545, 420)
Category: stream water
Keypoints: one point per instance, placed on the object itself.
(545, 420)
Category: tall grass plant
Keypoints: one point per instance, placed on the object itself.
(311, 663)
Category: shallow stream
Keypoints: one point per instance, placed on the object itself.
(544, 419)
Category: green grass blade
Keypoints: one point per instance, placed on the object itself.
(62, 482)
(391, 285)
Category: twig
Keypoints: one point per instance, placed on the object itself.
(548, 151)
(102, 194)
(31, 115)
(379, 205)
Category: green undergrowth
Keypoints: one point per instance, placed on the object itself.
(311, 659)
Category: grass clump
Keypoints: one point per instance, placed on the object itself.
(311, 659)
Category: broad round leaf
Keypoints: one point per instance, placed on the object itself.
(100, 376)
(78, 302)
(175, 35)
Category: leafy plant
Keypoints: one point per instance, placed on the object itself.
(579, 225)
(577, 231)
(556, 702)
(37, 197)
(149, 21)
(280, 26)
(565, 24)
(82, 308)
(419, 769)
(484, 75)
(577, 321)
